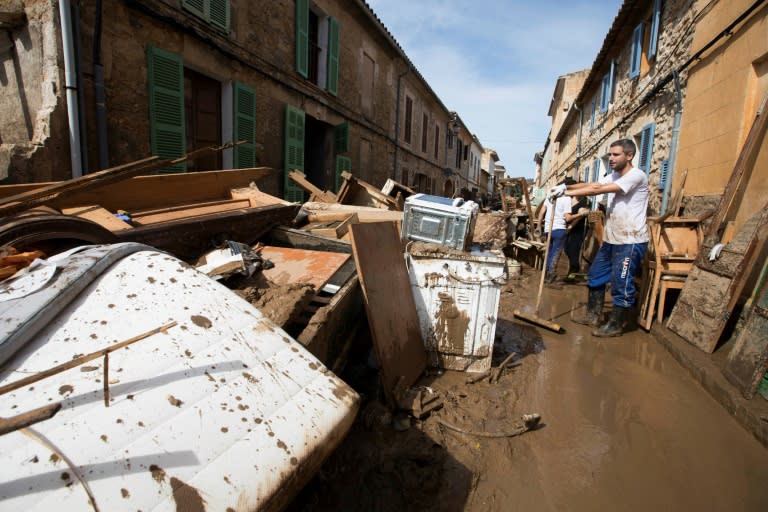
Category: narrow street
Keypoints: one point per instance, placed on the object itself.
(624, 427)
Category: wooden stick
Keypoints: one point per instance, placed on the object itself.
(527, 425)
(28, 418)
(38, 196)
(535, 319)
(106, 379)
(80, 360)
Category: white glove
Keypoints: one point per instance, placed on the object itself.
(556, 191)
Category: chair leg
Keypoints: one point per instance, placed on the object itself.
(662, 296)
(652, 305)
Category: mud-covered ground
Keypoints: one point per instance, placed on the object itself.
(623, 428)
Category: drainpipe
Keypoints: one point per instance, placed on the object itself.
(673, 144)
(98, 91)
(397, 122)
(578, 141)
(70, 85)
(80, 91)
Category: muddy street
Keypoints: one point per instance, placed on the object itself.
(624, 427)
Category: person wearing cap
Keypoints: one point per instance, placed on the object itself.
(625, 238)
(562, 205)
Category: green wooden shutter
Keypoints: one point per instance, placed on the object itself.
(219, 13)
(341, 135)
(294, 152)
(343, 163)
(332, 84)
(245, 125)
(165, 77)
(302, 37)
(196, 7)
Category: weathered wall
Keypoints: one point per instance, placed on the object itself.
(724, 91)
(259, 51)
(33, 134)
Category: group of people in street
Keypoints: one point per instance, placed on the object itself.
(625, 237)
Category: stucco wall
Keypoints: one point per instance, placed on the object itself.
(724, 91)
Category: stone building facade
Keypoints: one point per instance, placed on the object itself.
(316, 85)
(629, 92)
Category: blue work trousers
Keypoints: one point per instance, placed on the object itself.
(617, 264)
(557, 241)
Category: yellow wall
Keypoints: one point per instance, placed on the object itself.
(723, 94)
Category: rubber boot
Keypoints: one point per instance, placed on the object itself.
(616, 325)
(594, 314)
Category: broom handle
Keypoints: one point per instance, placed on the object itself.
(546, 255)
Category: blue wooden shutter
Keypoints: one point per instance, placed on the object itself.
(302, 37)
(592, 115)
(586, 174)
(218, 13)
(343, 163)
(332, 83)
(646, 148)
(244, 105)
(663, 174)
(341, 136)
(637, 51)
(294, 152)
(596, 170)
(655, 22)
(165, 77)
(611, 82)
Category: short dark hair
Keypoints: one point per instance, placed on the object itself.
(570, 181)
(627, 145)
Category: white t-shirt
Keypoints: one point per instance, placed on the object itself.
(626, 211)
(562, 206)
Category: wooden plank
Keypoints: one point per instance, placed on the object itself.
(389, 304)
(256, 196)
(315, 193)
(355, 191)
(338, 228)
(99, 215)
(144, 192)
(708, 297)
(290, 237)
(302, 265)
(188, 211)
(364, 213)
(748, 359)
(188, 238)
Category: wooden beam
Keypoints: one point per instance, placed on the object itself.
(99, 215)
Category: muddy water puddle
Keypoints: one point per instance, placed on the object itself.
(624, 427)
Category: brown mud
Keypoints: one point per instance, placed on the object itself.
(624, 427)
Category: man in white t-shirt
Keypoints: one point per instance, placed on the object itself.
(559, 232)
(625, 238)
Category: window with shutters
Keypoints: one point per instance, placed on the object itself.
(459, 143)
(343, 163)
(607, 88)
(592, 116)
(424, 130)
(167, 127)
(293, 155)
(244, 116)
(214, 12)
(408, 125)
(341, 138)
(645, 38)
(437, 140)
(317, 46)
(644, 141)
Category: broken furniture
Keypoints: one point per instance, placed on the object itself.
(390, 306)
(183, 213)
(330, 321)
(674, 245)
(354, 191)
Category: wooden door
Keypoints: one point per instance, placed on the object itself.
(202, 104)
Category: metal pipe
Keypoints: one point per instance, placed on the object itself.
(70, 86)
(80, 90)
(397, 122)
(98, 92)
(673, 143)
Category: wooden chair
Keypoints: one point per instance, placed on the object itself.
(674, 245)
